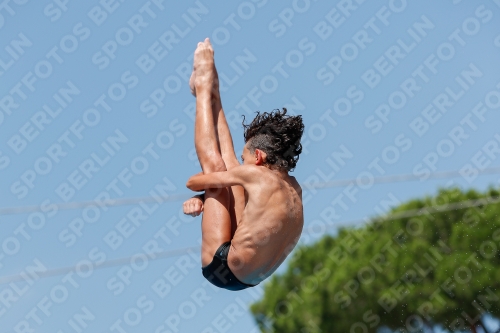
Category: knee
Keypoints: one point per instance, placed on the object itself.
(232, 164)
(215, 164)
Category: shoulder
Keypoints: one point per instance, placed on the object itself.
(248, 173)
(245, 169)
(296, 185)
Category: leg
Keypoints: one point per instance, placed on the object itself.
(216, 221)
(237, 193)
(223, 134)
(225, 144)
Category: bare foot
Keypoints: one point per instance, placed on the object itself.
(204, 69)
(191, 83)
(215, 86)
(204, 57)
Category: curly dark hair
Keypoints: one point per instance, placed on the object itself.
(278, 135)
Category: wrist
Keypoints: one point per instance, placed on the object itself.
(200, 196)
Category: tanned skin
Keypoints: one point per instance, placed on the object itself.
(256, 206)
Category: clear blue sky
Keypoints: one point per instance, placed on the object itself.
(94, 103)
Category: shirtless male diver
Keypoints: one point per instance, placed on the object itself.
(252, 213)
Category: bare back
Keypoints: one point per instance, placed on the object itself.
(269, 228)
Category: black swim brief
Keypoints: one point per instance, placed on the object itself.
(218, 272)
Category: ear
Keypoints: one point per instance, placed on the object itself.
(260, 157)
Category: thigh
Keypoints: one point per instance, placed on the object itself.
(237, 201)
(237, 205)
(215, 223)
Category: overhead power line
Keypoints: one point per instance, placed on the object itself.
(178, 197)
(403, 178)
(105, 264)
(177, 252)
(104, 203)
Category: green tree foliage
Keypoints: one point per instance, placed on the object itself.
(431, 261)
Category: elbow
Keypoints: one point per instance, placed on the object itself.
(191, 185)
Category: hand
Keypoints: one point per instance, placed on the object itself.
(193, 206)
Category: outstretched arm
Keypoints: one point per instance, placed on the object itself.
(241, 175)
